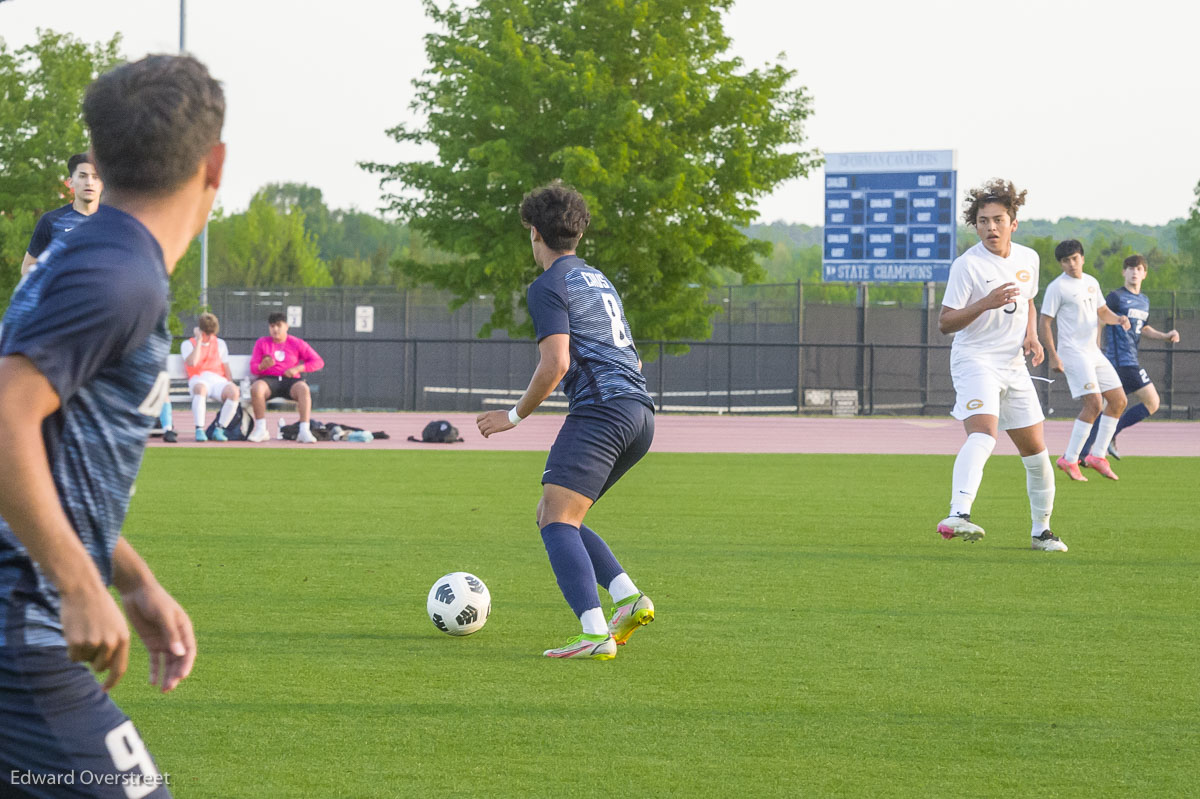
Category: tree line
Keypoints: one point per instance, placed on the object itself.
(670, 139)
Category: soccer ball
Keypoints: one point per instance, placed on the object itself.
(459, 604)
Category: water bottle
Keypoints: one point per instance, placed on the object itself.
(360, 435)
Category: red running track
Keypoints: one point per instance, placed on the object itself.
(858, 435)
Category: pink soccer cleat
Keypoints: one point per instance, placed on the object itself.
(1072, 469)
(1101, 465)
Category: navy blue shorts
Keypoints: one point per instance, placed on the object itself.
(1133, 378)
(63, 737)
(599, 443)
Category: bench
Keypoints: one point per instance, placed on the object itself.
(239, 367)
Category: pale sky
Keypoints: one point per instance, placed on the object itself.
(1089, 105)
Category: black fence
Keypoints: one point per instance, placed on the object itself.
(791, 348)
(711, 377)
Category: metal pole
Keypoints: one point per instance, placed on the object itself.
(204, 233)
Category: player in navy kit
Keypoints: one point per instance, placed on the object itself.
(82, 377)
(584, 341)
(1121, 348)
(86, 185)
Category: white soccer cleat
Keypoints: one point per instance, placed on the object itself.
(1047, 542)
(960, 526)
(259, 435)
(306, 437)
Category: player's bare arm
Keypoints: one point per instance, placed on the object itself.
(27, 263)
(553, 362)
(1171, 335)
(1031, 345)
(1108, 317)
(1046, 333)
(161, 623)
(952, 320)
(194, 356)
(93, 626)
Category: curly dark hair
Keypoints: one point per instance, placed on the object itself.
(996, 190)
(559, 213)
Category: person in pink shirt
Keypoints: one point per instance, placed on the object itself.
(280, 361)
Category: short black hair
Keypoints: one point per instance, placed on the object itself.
(1066, 249)
(152, 122)
(74, 161)
(1134, 261)
(559, 213)
(277, 317)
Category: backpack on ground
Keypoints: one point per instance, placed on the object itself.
(237, 429)
(438, 432)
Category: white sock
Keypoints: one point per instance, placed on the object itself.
(227, 412)
(304, 427)
(593, 621)
(260, 424)
(1079, 433)
(622, 587)
(1104, 435)
(198, 409)
(968, 471)
(1039, 484)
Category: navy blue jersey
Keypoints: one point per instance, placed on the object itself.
(53, 224)
(1121, 346)
(573, 298)
(93, 319)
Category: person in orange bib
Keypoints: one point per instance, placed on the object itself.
(206, 359)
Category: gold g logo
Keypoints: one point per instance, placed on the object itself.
(974, 405)
(1024, 276)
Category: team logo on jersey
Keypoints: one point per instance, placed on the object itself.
(974, 405)
(1024, 276)
(1089, 385)
(278, 356)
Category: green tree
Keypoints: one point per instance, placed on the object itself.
(264, 247)
(635, 103)
(41, 88)
(1188, 236)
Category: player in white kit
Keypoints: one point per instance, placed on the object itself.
(1076, 302)
(988, 304)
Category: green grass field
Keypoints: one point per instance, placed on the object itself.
(814, 636)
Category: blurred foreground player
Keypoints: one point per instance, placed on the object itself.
(82, 379)
(584, 341)
(989, 305)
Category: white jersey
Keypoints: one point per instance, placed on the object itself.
(1073, 301)
(996, 335)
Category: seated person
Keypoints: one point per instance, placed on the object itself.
(280, 361)
(206, 359)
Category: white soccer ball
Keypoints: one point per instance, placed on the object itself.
(459, 604)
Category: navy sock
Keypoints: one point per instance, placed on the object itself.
(572, 566)
(1091, 439)
(1132, 416)
(603, 560)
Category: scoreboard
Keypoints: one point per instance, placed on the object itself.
(889, 216)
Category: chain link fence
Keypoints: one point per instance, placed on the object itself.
(789, 348)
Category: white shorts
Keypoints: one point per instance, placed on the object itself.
(216, 384)
(1089, 373)
(1005, 392)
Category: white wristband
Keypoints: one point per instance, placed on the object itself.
(513, 417)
